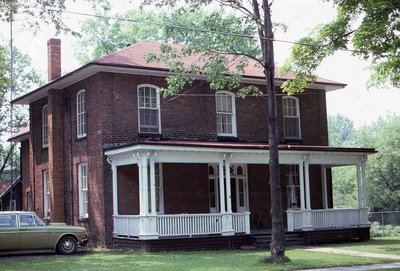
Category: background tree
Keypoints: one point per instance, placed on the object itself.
(383, 170)
(344, 182)
(371, 29)
(341, 131)
(104, 35)
(25, 79)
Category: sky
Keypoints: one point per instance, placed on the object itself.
(355, 101)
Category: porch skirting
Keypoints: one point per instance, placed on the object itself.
(260, 240)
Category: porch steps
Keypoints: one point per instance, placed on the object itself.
(263, 241)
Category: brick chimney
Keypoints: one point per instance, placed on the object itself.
(53, 59)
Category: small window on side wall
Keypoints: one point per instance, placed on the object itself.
(226, 113)
(149, 109)
(291, 117)
(46, 193)
(81, 114)
(45, 124)
(83, 190)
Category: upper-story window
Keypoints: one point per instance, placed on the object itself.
(81, 113)
(226, 113)
(149, 109)
(45, 124)
(291, 117)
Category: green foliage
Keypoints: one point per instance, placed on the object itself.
(34, 14)
(341, 131)
(378, 230)
(371, 28)
(344, 183)
(383, 171)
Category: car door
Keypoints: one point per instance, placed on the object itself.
(33, 234)
(9, 232)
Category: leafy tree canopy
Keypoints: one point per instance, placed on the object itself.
(341, 131)
(370, 28)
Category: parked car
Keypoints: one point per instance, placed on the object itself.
(26, 231)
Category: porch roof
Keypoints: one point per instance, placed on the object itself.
(241, 145)
(249, 153)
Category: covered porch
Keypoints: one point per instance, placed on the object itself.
(228, 208)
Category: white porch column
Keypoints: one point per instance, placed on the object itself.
(115, 188)
(324, 188)
(227, 225)
(363, 182)
(307, 214)
(153, 185)
(359, 189)
(148, 223)
(221, 187)
(228, 184)
(302, 194)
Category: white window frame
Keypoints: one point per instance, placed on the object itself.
(293, 186)
(285, 116)
(81, 124)
(83, 190)
(148, 108)
(46, 193)
(45, 126)
(232, 114)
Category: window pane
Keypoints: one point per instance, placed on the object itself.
(292, 127)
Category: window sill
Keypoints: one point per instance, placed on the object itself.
(83, 138)
(83, 219)
(227, 138)
(149, 134)
(292, 140)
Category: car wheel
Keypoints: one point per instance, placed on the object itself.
(67, 245)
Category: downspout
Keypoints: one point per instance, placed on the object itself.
(71, 185)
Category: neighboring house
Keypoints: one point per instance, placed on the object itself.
(107, 152)
(10, 195)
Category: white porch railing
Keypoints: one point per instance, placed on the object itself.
(181, 224)
(327, 218)
(241, 222)
(126, 225)
(189, 224)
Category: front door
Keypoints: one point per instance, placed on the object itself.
(239, 190)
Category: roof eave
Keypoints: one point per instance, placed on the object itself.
(94, 67)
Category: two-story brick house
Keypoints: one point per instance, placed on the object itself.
(107, 152)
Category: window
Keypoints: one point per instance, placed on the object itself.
(159, 190)
(45, 124)
(226, 113)
(291, 117)
(81, 113)
(292, 186)
(8, 220)
(46, 193)
(29, 221)
(149, 109)
(83, 190)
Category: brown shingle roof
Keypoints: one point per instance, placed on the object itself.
(134, 55)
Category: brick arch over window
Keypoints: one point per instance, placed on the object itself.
(291, 117)
(149, 109)
(81, 125)
(226, 113)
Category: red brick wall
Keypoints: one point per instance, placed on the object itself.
(128, 190)
(25, 173)
(186, 188)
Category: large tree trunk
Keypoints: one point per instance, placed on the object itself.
(278, 234)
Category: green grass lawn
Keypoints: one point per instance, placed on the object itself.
(384, 245)
(203, 260)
